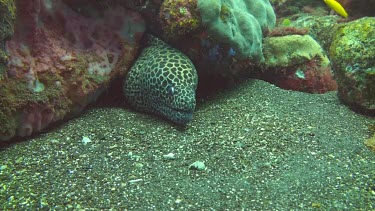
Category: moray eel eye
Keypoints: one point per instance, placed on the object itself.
(170, 90)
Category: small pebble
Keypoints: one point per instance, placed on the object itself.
(85, 140)
(170, 156)
(197, 165)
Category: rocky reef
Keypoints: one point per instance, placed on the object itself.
(56, 57)
(59, 61)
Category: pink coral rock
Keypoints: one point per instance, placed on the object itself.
(60, 61)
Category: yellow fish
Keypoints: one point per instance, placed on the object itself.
(336, 7)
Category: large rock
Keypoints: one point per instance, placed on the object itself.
(352, 53)
(60, 61)
(296, 62)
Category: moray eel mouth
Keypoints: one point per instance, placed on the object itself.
(176, 115)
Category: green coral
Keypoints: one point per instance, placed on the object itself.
(238, 23)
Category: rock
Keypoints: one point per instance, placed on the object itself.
(197, 165)
(321, 28)
(352, 53)
(297, 63)
(224, 39)
(290, 50)
(179, 18)
(60, 61)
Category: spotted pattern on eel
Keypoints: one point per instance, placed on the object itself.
(162, 81)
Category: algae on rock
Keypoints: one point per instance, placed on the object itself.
(352, 54)
(7, 18)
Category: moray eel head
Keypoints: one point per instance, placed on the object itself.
(162, 81)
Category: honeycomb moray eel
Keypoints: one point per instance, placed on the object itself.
(162, 81)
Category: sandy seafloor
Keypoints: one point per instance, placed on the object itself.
(263, 148)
